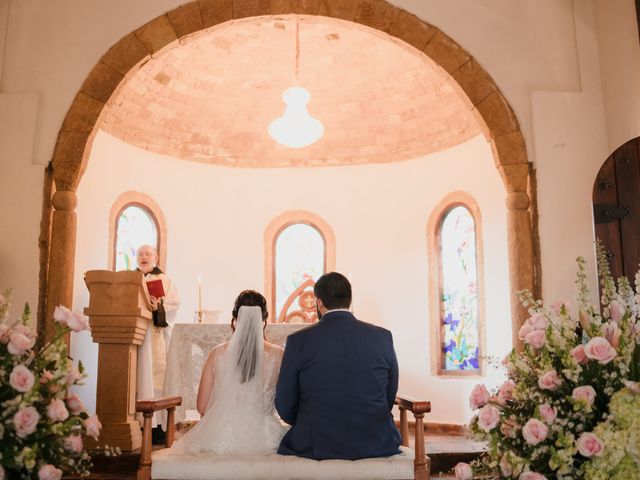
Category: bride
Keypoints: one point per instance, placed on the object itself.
(237, 389)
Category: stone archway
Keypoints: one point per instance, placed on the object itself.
(493, 112)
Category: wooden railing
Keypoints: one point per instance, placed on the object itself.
(148, 408)
(421, 463)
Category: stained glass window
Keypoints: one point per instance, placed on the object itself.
(299, 256)
(135, 226)
(458, 295)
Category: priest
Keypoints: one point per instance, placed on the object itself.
(152, 354)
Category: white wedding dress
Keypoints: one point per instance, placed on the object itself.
(240, 417)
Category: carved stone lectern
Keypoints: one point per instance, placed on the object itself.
(119, 312)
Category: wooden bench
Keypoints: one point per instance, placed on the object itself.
(410, 464)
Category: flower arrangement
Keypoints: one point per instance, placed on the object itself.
(570, 408)
(41, 426)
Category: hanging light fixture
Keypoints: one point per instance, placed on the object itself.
(296, 128)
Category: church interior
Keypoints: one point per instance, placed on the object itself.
(441, 154)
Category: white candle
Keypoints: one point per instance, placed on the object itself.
(199, 294)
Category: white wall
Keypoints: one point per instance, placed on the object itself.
(619, 49)
(216, 218)
(571, 144)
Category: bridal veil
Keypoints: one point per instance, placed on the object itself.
(239, 417)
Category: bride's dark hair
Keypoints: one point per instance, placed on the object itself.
(249, 298)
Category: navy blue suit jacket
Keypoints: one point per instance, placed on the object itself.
(337, 385)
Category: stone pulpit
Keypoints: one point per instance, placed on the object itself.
(119, 312)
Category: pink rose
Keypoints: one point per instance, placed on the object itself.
(548, 413)
(4, 333)
(488, 418)
(25, 421)
(61, 314)
(586, 393)
(585, 320)
(479, 397)
(612, 333)
(73, 375)
(21, 378)
(549, 380)
(56, 411)
(556, 306)
(46, 377)
(463, 471)
(19, 342)
(616, 311)
(78, 322)
(505, 467)
(49, 472)
(536, 338)
(506, 392)
(74, 404)
(525, 330)
(589, 445)
(508, 429)
(538, 321)
(578, 354)
(93, 426)
(73, 443)
(531, 476)
(534, 431)
(600, 349)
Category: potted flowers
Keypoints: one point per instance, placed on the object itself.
(570, 408)
(41, 425)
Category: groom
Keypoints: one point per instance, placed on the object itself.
(338, 382)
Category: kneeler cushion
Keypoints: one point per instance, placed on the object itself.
(171, 466)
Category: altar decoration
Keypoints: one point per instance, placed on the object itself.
(41, 424)
(570, 408)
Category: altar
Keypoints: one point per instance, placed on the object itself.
(190, 345)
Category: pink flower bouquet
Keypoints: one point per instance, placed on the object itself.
(41, 425)
(570, 407)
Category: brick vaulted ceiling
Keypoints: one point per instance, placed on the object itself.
(210, 97)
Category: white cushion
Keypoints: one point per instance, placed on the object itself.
(168, 465)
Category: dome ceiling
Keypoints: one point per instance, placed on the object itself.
(211, 97)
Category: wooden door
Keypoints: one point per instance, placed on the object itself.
(616, 205)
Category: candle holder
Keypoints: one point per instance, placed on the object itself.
(200, 314)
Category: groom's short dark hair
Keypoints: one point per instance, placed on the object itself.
(334, 290)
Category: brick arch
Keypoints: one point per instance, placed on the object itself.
(475, 85)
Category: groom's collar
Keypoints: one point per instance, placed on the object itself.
(336, 310)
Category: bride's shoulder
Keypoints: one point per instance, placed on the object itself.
(216, 351)
(273, 348)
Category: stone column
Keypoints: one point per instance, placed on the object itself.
(61, 255)
(118, 314)
(521, 269)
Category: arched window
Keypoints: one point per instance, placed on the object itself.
(135, 220)
(299, 248)
(457, 303)
(299, 257)
(135, 226)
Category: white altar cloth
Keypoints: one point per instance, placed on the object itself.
(190, 345)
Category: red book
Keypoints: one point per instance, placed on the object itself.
(156, 289)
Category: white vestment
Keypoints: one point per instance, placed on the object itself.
(152, 354)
